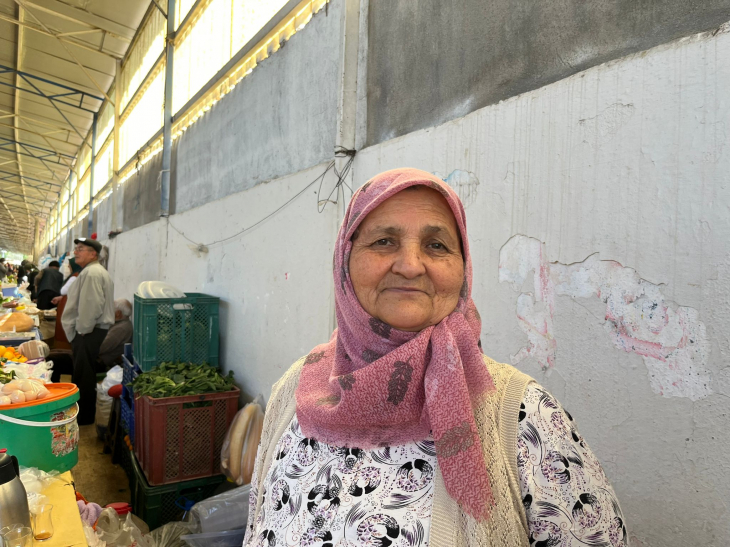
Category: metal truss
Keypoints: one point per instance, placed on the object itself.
(66, 95)
(39, 184)
(36, 200)
(34, 151)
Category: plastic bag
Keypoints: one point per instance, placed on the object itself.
(34, 480)
(34, 349)
(226, 511)
(104, 402)
(169, 534)
(104, 405)
(35, 501)
(113, 378)
(41, 370)
(92, 538)
(241, 443)
(118, 532)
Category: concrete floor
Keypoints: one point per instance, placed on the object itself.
(97, 478)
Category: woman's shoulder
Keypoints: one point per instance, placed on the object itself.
(290, 379)
(504, 374)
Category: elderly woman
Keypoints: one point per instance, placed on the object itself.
(400, 431)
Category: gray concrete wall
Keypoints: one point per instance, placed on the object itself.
(140, 195)
(430, 62)
(279, 119)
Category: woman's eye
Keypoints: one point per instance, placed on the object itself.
(437, 246)
(381, 242)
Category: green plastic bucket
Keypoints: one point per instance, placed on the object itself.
(43, 435)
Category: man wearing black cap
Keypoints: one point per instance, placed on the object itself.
(88, 315)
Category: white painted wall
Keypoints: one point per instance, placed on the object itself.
(623, 168)
(275, 282)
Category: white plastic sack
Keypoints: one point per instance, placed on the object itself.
(226, 511)
(113, 378)
(104, 402)
(104, 405)
(118, 532)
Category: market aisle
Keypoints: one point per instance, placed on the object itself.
(96, 477)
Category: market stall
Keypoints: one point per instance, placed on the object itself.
(174, 425)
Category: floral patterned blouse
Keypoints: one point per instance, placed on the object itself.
(322, 496)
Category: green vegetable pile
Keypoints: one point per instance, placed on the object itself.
(178, 379)
(6, 377)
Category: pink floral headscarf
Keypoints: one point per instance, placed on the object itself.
(372, 385)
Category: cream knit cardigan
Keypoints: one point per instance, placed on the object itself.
(450, 526)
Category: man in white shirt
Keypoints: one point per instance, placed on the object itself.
(87, 317)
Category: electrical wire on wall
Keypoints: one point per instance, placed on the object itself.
(340, 152)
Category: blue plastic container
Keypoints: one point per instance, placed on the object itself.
(12, 292)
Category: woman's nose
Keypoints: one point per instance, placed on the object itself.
(409, 261)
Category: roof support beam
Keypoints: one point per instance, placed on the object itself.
(7, 175)
(77, 32)
(53, 99)
(29, 206)
(37, 134)
(34, 151)
(23, 4)
(160, 8)
(16, 103)
(12, 216)
(66, 95)
(82, 17)
(55, 128)
(37, 199)
(62, 37)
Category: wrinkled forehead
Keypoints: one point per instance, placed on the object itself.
(375, 192)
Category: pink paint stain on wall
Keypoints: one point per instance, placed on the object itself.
(671, 341)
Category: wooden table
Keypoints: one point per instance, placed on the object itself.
(67, 528)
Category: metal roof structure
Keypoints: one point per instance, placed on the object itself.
(57, 63)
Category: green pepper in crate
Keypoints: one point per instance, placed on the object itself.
(178, 379)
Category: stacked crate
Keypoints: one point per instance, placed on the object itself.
(177, 440)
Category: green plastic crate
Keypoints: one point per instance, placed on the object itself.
(158, 505)
(176, 329)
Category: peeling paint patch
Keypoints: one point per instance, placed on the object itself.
(535, 309)
(672, 341)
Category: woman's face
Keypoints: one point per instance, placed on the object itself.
(406, 264)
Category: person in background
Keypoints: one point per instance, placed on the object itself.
(21, 271)
(60, 340)
(49, 283)
(86, 320)
(3, 268)
(32, 271)
(112, 348)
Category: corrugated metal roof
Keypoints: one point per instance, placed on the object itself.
(57, 61)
